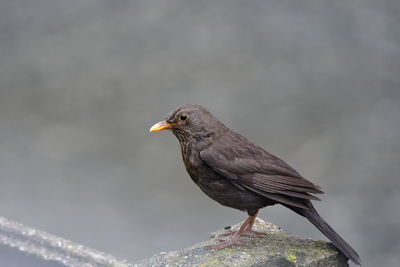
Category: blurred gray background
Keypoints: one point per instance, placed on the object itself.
(81, 81)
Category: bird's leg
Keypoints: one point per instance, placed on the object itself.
(235, 237)
(247, 229)
(251, 232)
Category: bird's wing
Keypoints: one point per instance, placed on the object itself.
(252, 168)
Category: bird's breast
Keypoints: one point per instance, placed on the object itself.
(216, 186)
(196, 168)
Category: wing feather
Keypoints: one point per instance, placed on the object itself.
(256, 170)
(278, 198)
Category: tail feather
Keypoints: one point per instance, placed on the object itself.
(312, 215)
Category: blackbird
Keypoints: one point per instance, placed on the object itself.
(239, 174)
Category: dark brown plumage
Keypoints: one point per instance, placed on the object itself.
(241, 175)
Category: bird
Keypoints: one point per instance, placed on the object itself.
(240, 174)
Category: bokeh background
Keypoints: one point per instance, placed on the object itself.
(81, 81)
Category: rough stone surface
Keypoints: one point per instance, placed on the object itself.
(275, 248)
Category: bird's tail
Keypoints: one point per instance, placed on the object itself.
(312, 215)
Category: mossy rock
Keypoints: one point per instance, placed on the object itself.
(275, 248)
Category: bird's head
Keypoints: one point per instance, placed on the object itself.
(190, 122)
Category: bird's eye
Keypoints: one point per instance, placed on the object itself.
(183, 117)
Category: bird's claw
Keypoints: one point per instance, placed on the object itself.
(249, 232)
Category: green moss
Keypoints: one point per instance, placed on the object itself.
(292, 253)
(291, 256)
(321, 246)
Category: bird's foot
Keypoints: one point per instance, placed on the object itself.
(247, 231)
(226, 243)
(251, 232)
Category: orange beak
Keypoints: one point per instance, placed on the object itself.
(160, 126)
